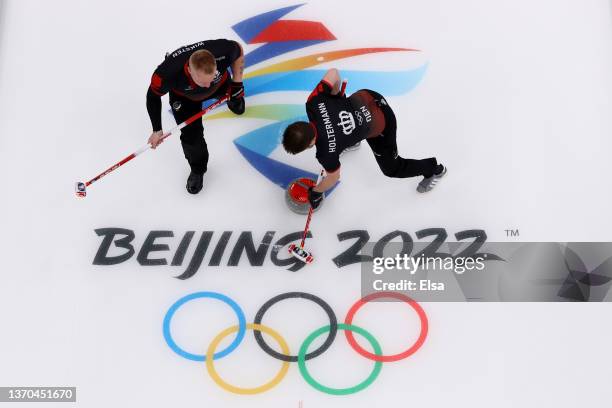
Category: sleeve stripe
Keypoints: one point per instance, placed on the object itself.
(156, 92)
(156, 84)
(320, 88)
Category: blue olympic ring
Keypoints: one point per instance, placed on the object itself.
(211, 295)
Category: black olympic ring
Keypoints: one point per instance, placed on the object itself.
(333, 325)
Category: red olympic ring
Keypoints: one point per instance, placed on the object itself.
(395, 357)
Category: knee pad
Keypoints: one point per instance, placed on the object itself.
(192, 135)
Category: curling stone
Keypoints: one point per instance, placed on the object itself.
(296, 195)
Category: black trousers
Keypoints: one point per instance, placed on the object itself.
(384, 148)
(192, 135)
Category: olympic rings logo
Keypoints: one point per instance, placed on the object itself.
(303, 354)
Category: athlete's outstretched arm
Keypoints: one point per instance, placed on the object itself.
(328, 182)
(157, 88)
(238, 66)
(332, 77)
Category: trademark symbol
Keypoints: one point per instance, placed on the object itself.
(512, 232)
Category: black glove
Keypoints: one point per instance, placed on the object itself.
(314, 198)
(236, 90)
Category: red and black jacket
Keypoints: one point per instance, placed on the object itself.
(172, 75)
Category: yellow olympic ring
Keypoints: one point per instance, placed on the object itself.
(210, 367)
